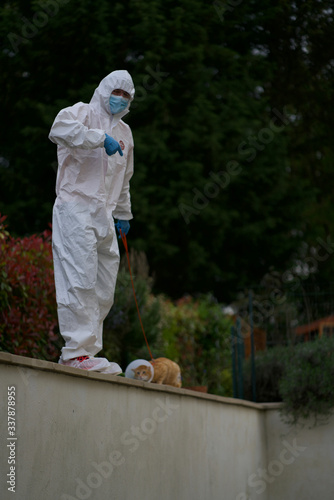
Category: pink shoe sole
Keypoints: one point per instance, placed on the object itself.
(93, 364)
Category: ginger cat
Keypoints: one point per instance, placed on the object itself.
(165, 372)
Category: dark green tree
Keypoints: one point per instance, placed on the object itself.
(231, 121)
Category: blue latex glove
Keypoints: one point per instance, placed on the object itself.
(112, 146)
(124, 226)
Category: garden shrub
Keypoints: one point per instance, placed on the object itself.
(27, 299)
(307, 385)
(196, 334)
(269, 368)
(301, 376)
(225, 383)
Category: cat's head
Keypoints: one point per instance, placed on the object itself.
(142, 372)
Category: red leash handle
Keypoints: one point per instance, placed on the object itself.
(125, 243)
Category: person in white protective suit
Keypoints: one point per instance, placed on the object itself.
(95, 164)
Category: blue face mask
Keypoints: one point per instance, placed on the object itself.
(117, 104)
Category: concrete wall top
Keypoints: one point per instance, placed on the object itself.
(38, 364)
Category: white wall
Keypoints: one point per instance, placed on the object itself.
(92, 436)
(300, 458)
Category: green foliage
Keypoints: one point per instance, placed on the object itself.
(226, 383)
(307, 385)
(300, 376)
(207, 83)
(195, 333)
(5, 288)
(270, 368)
(27, 296)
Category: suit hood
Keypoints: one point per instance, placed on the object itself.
(119, 79)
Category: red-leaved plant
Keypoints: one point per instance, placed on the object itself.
(28, 311)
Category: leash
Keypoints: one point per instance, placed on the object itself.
(125, 243)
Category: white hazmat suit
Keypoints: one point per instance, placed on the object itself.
(92, 189)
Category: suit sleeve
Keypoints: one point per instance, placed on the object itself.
(123, 208)
(71, 129)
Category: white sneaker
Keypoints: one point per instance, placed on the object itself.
(92, 364)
